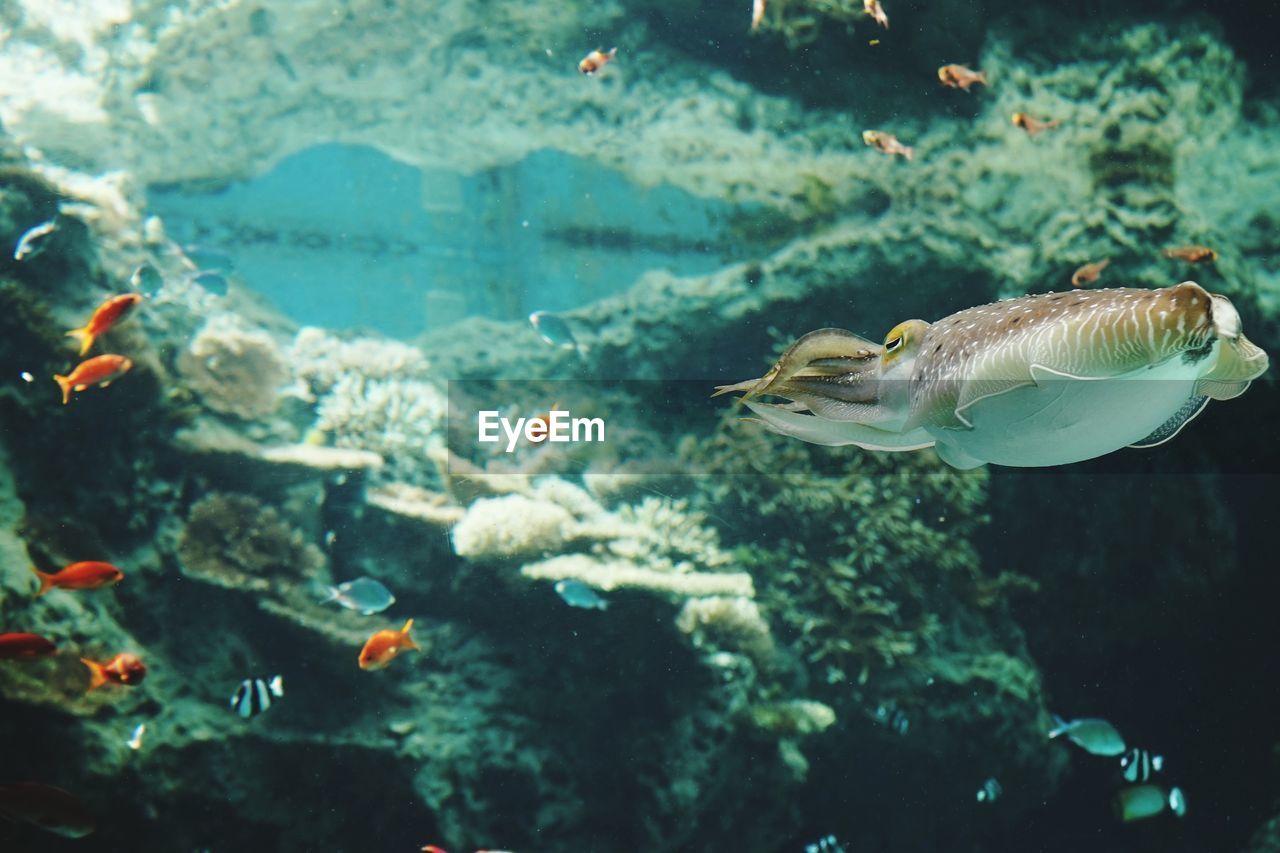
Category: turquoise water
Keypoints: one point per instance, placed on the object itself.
(387, 505)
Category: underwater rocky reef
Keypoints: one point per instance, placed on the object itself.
(700, 636)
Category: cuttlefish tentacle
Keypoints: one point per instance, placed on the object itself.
(826, 352)
(833, 433)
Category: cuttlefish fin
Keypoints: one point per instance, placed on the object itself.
(817, 430)
(1173, 426)
(957, 459)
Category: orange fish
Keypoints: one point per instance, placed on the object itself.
(383, 646)
(1192, 254)
(757, 13)
(876, 11)
(51, 809)
(86, 575)
(541, 423)
(595, 60)
(959, 77)
(99, 370)
(124, 668)
(1033, 126)
(20, 646)
(1089, 273)
(108, 314)
(887, 143)
(431, 848)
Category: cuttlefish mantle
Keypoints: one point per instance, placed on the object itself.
(1039, 380)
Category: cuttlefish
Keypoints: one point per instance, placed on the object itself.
(1039, 380)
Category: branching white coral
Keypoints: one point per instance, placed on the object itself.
(727, 622)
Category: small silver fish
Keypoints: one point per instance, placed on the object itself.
(894, 717)
(211, 280)
(253, 696)
(1094, 736)
(827, 844)
(135, 742)
(990, 791)
(578, 594)
(1143, 801)
(1138, 765)
(555, 331)
(146, 279)
(34, 240)
(366, 595)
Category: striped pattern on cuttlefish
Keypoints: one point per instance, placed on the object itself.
(1039, 380)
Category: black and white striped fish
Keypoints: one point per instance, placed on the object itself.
(253, 696)
(1137, 765)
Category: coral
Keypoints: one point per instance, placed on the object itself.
(235, 541)
(236, 370)
(618, 574)
(322, 360)
(733, 623)
(793, 717)
(407, 501)
(511, 527)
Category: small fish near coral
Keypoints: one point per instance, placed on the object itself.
(1089, 273)
(100, 370)
(1146, 801)
(887, 143)
(990, 791)
(146, 280)
(1032, 125)
(893, 718)
(555, 331)
(124, 669)
(89, 574)
(104, 318)
(876, 12)
(383, 646)
(1093, 735)
(960, 77)
(35, 240)
(135, 740)
(595, 60)
(253, 696)
(1040, 380)
(757, 14)
(1191, 254)
(51, 809)
(826, 844)
(24, 646)
(1138, 765)
(363, 595)
(575, 593)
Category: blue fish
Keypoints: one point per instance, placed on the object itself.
(990, 791)
(578, 594)
(211, 280)
(146, 279)
(1090, 734)
(363, 594)
(828, 844)
(555, 331)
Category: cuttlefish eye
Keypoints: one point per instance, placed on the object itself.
(893, 343)
(902, 340)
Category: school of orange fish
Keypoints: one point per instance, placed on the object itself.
(58, 811)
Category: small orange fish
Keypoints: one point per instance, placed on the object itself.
(49, 808)
(124, 668)
(86, 575)
(876, 11)
(1033, 126)
(383, 646)
(19, 646)
(1192, 254)
(595, 60)
(757, 13)
(1089, 273)
(542, 424)
(887, 143)
(108, 314)
(959, 77)
(431, 848)
(99, 370)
